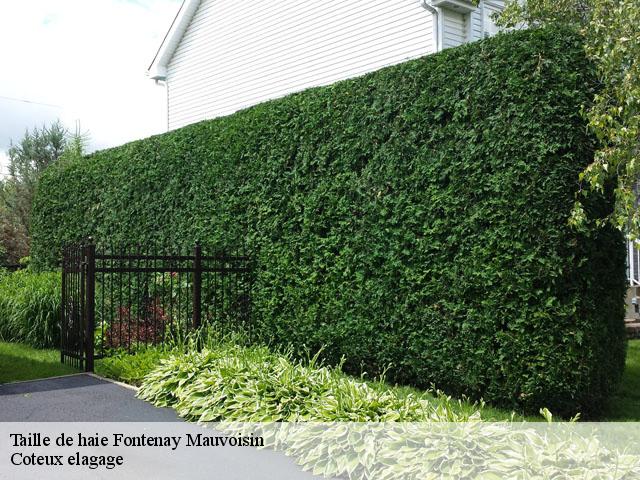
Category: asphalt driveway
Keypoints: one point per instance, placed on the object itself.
(76, 398)
(86, 398)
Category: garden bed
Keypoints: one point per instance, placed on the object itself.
(137, 370)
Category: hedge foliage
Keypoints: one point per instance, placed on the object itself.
(415, 216)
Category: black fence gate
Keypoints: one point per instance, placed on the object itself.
(75, 343)
(123, 298)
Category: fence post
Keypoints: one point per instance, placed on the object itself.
(63, 330)
(250, 264)
(197, 285)
(90, 258)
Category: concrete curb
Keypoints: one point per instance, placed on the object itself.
(90, 374)
(110, 380)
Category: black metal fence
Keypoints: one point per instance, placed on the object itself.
(120, 298)
(74, 341)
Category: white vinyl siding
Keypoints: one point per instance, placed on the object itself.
(236, 53)
(475, 25)
(454, 28)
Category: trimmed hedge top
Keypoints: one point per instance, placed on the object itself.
(413, 217)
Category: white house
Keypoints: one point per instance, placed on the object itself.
(633, 294)
(223, 55)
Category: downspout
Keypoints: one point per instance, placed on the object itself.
(436, 22)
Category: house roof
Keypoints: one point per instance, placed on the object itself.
(158, 68)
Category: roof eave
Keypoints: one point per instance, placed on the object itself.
(158, 68)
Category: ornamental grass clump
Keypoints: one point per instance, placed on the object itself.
(30, 308)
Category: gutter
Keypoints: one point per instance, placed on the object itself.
(158, 68)
(436, 21)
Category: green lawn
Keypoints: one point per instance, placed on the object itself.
(625, 406)
(19, 362)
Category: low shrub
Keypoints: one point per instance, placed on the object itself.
(131, 362)
(30, 307)
(127, 332)
(131, 368)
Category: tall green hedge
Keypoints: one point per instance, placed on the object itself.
(413, 217)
